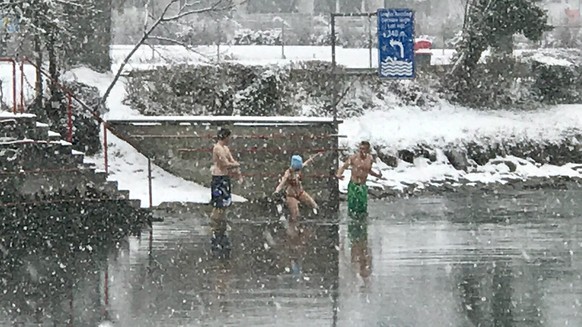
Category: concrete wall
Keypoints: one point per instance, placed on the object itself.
(183, 145)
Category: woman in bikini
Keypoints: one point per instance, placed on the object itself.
(294, 191)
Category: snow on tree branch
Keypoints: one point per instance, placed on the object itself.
(180, 43)
(219, 5)
(184, 11)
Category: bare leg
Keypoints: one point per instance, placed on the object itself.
(308, 200)
(293, 206)
(218, 221)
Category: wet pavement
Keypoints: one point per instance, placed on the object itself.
(507, 259)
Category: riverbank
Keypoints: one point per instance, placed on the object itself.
(419, 150)
(432, 149)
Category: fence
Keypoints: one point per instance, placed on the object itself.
(19, 102)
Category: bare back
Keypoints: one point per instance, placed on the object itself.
(361, 167)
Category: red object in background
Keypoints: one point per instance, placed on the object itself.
(422, 45)
(572, 13)
(573, 16)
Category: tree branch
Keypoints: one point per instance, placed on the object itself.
(158, 52)
(187, 5)
(180, 43)
(144, 37)
(147, 14)
(219, 5)
(213, 8)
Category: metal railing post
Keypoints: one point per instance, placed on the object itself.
(150, 181)
(105, 148)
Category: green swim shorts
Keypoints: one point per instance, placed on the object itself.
(358, 229)
(357, 200)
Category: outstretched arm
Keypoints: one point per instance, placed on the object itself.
(340, 172)
(377, 175)
(310, 160)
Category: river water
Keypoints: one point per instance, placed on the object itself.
(505, 259)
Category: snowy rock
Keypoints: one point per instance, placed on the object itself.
(458, 158)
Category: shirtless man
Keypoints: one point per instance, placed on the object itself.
(361, 164)
(224, 167)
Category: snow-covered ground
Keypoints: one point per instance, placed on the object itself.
(148, 57)
(394, 129)
(126, 165)
(405, 127)
(446, 125)
(129, 167)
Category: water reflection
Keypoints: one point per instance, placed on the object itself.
(361, 254)
(51, 287)
(462, 260)
(257, 284)
(469, 260)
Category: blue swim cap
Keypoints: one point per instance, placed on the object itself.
(296, 162)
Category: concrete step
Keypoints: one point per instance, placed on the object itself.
(41, 132)
(135, 203)
(18, 127)
(53, 136)
(47, 182)
(78, 158)
(41, 156)
(89, 165)
(26, 155)
(99, 176)
(109, 187)
(123, 194)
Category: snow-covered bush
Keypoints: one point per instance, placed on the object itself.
(303, 88)
(556, 84)
(86, 129)
(187, 89)
(562, 37)
(534, 78)
(250, 37)
(496, 86)
(265, 96)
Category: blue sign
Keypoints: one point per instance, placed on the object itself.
(396, 43)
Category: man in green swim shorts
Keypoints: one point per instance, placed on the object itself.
(361, 165)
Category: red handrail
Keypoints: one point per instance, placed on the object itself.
(68, 93)
(70, 97)
(105, 148)
(3, 59)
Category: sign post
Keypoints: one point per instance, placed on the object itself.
(396, 43)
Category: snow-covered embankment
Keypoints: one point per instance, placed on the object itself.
(510, 145)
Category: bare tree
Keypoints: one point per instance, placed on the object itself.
(185, 10)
